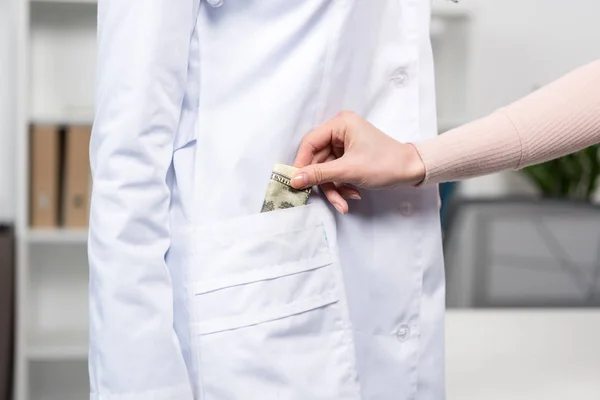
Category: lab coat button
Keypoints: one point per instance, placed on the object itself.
(406, 208)
(215, 3)
(403, 332)
(399, 79)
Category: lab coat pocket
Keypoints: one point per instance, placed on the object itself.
(271, 318)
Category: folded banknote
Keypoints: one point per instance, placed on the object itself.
(280, 193)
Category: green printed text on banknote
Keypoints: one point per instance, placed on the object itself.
(280, 193)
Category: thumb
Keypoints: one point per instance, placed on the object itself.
(316, 174)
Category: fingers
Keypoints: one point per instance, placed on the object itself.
(331, 132)
(334, 197)
(317, 174)
(348, 192)
(335, 193)
(338, 152)
(323, 155)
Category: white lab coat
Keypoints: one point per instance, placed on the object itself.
(196, 295)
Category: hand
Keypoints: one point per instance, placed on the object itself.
(349, 150)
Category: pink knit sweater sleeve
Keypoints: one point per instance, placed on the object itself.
(558, 119)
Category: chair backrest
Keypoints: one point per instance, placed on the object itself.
(522, 253)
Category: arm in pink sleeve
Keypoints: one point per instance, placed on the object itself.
(561, 118)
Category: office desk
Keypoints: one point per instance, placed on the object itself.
(523, 354)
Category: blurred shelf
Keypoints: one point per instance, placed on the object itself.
(57, 235)
(94, 2)
(67, 345)
(61, 120)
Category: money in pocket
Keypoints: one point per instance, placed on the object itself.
(280, 193)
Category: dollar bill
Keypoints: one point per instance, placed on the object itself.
(280, 193)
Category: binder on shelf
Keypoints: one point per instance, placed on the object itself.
(76, 176)
(44, 176)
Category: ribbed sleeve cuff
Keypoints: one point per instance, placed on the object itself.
(481, 147)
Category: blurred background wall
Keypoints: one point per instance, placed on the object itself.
(517, 46)
(7, 93)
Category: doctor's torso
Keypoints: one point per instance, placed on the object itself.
(270, 71)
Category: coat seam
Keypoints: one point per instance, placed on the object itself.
(325, 83)
(191, 311)
(347, 329)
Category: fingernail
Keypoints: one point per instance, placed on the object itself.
(300, 180)
(339, 208)
(354, 196)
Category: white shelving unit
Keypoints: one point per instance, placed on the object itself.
(56, 63)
